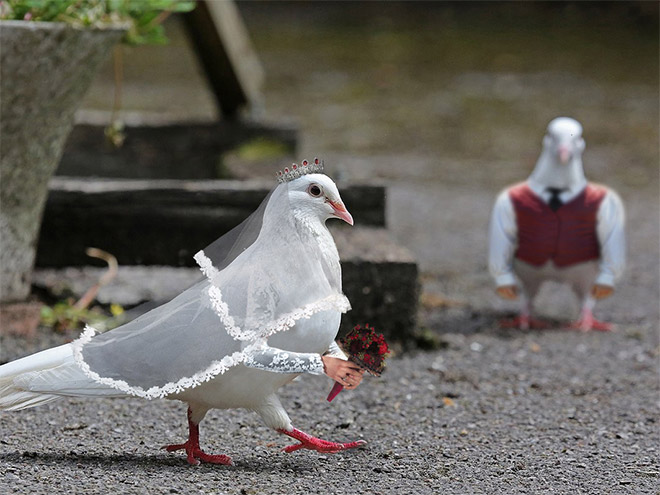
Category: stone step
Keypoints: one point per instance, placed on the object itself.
(165, 222)
(379, 278)
(160, 222)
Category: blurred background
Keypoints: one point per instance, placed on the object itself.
(446, 103)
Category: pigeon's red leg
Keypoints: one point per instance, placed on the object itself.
(588, 322)
(313, 443)
(524, 322)
(194, 452)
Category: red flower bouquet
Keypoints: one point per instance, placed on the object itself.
(366, 348)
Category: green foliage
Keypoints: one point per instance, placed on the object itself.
(142, 18)
(64, 315)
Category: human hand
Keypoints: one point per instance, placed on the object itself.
(601, 291)
(507, 292)
(344, 372)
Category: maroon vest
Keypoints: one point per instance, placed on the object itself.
(566, 236)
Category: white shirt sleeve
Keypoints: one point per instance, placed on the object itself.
(503, 239)
(610, 228)
(336, 352)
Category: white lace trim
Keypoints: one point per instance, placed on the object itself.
(222, 310)
(338, 302)
(206, 265)
(216, 368)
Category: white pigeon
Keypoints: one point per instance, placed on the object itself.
(231, 368)
(557, 226)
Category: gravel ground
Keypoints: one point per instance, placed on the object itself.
(493, 412)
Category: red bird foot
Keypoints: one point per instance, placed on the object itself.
(197, 455)
(193, 450)
(587, 322)
(524, 322)
(313, 443)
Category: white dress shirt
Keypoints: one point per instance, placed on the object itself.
(610, 223)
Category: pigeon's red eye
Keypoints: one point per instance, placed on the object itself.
(314, 190)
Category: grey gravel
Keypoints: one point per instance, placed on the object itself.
(494, 412)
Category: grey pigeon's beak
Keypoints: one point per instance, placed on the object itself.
(340, 211)
(564, 154)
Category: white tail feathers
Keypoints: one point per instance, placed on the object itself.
(44, 377)
(13, 399)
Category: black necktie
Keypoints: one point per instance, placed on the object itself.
(554, 202)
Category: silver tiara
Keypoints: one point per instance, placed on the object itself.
(305, 167)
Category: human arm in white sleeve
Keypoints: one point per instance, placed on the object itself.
(268, 358)
(502, 241)
(610, 228)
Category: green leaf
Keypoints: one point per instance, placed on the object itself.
(144, 17)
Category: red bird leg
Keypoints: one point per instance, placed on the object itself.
(524, 320)
(588, 322)
(336, 388)
(194, 452)
(313, 443)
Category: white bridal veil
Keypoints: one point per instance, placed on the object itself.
(215, 324)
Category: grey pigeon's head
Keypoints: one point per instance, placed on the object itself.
(563, 140)
(316, 196)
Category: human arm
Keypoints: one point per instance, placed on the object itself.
(273, 359)
(343, 371)
(503, 232)
(610, 229)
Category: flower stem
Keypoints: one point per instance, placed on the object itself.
(338, 387)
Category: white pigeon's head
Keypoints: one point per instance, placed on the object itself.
(316, 195)
(560, 162)
(563, 140)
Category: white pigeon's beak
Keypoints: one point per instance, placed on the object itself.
(340, 211)
(564, 154)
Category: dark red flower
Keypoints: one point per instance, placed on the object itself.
(366, 347)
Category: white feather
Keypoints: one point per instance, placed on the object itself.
(44, 377)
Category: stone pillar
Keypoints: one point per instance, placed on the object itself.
(46, 70)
